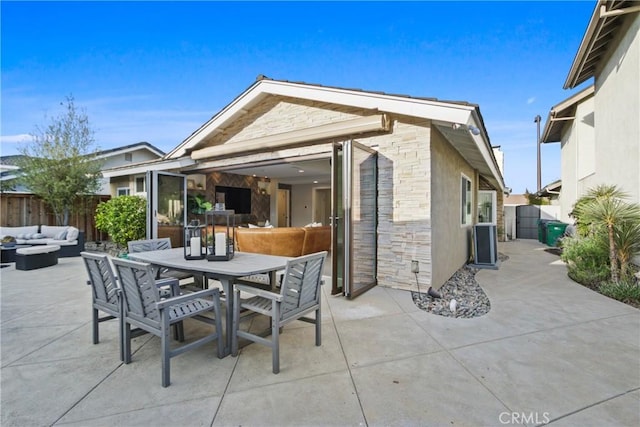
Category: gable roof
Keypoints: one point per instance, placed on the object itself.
(475, 146)
(447, 111)
(562, 113)
(131, 147)
(605, 21)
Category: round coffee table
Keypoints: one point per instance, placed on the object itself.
(8, 253)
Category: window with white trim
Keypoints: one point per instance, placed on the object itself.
(487, 206)
(466, 201)
(140, 188)
(123, 191)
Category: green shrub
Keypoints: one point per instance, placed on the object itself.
(587, 259)
(123, 218)
(625, 291)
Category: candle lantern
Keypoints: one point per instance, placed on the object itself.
(195, 238)
(220, 239)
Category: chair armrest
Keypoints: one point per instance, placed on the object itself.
(168, 281)
(214, 292)
(259, 292)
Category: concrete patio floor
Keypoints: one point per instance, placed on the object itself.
(549, 351)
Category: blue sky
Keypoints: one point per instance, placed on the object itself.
(156, 71)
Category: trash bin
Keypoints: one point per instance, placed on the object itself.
(542, 230)
(555, 230)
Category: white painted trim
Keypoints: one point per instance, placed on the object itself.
(321, 133)
(141, 168)
(414, 107)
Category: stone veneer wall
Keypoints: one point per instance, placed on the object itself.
(404, 178)
(260, 203)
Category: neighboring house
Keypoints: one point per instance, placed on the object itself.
(19, 207)
(120, 156)
(551, 192)
(411, 175)
(126, 155)
(599, 127)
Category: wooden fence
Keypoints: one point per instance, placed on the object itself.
(18, 210)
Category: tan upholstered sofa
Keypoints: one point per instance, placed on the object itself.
(283, 241)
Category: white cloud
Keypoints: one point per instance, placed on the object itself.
(531, 100)
(14, 139)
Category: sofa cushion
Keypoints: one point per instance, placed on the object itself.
(14, 231)
(52, 231)
(316, 239)
(283, 241)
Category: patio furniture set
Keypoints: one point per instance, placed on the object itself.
(38, 246)
(137, 293)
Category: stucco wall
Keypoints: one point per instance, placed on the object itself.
(404, 186)
(451, 240)
(577, 158)
(617, 109)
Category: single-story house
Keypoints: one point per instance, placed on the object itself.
(399, 178)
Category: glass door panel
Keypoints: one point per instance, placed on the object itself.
(354, 218)
(166, 203)
(361, 217)
(337, 221)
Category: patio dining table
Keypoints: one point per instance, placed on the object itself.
(241, 265)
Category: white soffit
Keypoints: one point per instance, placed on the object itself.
(414, 107)
(474, 150)
(347, 128)
(605, 20)
(563, 112)
(140, 168)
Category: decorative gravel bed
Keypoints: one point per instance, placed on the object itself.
(470, 299)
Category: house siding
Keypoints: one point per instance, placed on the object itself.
(404, 227)
(451, 240)
(617, 109)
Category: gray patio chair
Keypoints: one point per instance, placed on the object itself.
(106, 298)
(144, 308)
(105, 294)
(299, 295)
(159, 244)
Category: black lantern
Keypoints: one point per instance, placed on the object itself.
(194, 240)
(220, 241)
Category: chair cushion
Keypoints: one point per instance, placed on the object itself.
(33, 250)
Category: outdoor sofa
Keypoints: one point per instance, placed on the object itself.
(70, 239)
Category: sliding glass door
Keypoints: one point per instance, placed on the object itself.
(166, 201)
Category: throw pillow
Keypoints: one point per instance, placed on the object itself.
(61, 235)
(72, 234)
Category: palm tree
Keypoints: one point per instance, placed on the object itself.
(627, 239)
(603, 206)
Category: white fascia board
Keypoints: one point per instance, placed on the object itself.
(448, 112)
(482, 142)
(237, 106)
(436, 110)
(144, 167)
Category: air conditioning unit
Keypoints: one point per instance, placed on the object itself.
(485, 245)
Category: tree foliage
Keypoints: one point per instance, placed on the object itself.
(123, 218)
(60, 164)
(534, 199)
(603, 210)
